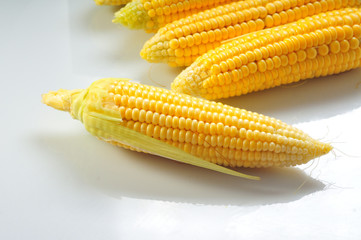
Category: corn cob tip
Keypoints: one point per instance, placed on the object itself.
(61, 99)
(190, 81)
(326, 148)
(133, 16)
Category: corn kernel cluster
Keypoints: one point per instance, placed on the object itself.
(232, 48)
(212, 131)
(181, 42)
(150, 15)
(320, 45)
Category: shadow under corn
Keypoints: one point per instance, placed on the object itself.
(122, 173)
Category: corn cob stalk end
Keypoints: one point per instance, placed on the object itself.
(133, 16)
(61, 99)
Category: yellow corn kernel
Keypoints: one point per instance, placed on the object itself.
(150, 15)
(185, 128)
(223, 23)
(285, 54)
(112, 2)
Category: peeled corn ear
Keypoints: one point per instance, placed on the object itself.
(324, 44)
(184, 128)
(112, 2)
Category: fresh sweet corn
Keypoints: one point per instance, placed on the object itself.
(181, 42)
(112, 2)
(150, 15)
(321, 45)
(184, 128)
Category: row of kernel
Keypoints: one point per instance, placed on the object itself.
(212, 13)
(130, 92)
(182, 7)
(146, 108)
(221, 111)
(269, 78)
(216, 35)
(249, 120)
(206, 142)
(308, 25)
(290, 44)
(274, 19)
(275, 11)
(283, 60)
(225, 157)
(215, 123)
(196, 134)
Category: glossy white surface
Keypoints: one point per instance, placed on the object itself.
(59, 182)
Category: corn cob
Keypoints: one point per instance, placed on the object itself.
(182, 41)
(185, 128)
(150, 15)
(111, 2)
(321, 45)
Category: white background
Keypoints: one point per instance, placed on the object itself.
(59, 182)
